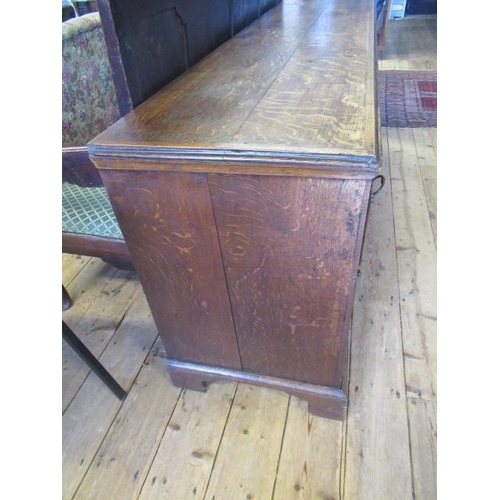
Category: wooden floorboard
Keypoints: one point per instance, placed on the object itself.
(90, 415)
(248, 456)
(378, 453)
(411, 44)
(426, 153)
(416, 262)
(193, 437)
(250, 443)
(310, 459)
(95, 319)
(416, 259)
(124, 457)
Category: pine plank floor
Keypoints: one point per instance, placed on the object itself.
(242, 442)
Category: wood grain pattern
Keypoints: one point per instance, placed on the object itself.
(270, 164)
(244, 12)
(96, 325)
(112, 250)
(423, 437)
(72, 265)
(414, 211)
(299, 79)
(323, 99)
(96, 272)
(287, 244)
(410, 45)
(323, 401)
(208, 103)
(88, 417)
(375, 432)
(130, 445)
(168, 224)
(377, 462)
(192, 438)
(150, 43)
(255, 269)
(246, 463)
(426, 152)
(416, 251)
(310, 456)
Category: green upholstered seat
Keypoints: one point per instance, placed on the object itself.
(89, 106)
(87, 210)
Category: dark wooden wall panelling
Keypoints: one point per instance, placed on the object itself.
(151, 42)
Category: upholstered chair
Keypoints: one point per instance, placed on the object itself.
(89, 105)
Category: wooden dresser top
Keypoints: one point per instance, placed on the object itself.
(297, 85)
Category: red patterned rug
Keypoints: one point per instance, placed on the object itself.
(408, 98)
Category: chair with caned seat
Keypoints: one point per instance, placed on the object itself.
(89, 106)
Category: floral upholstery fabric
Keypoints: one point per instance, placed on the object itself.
(89, 106)
(89, 103)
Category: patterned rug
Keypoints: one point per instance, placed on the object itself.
(408, 98)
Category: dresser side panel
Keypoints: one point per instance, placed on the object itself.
(290, 248)
(168, 224)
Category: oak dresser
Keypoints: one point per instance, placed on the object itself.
(242, 191)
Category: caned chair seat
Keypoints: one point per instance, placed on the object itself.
(87, 210)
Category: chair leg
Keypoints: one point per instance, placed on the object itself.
(67, 302)
(70, 337)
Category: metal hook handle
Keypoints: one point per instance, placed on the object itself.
(382, 183)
